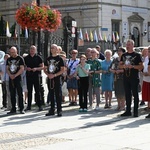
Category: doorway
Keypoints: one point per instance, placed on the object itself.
(136, 36)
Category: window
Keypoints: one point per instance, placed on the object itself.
(115, 26)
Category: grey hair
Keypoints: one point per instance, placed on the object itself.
(108, 51)
(131, 41)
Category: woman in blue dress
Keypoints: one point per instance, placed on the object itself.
(107, 78)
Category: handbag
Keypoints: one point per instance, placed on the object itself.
(64, 89)
(69, 68)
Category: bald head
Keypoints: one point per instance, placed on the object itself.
(13, 51)
(33, 50)
(88, 53)
(54, 49)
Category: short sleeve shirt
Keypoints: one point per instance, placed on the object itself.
(72, 64)
(133, 58)
(95, 66)
(80, 72)
(54, 64)
(14, 64)
(33, 62)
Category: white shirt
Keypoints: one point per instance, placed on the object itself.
(145, 64)
(73, 66)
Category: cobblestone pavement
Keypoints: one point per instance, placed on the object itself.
(17, 141)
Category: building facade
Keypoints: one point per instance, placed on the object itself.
(122, 18)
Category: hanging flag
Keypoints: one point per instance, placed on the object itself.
(91, 36)
(109, 38)
(100, 36)
(117, 37)
(80, 34)
(86, 35)
(15, 32)
(95, 37)
(105, 39)
(113, 37)
(26, 33)
(8, 34)
(80, 38)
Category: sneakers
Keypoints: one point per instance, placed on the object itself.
(81, 110)
(97, 108)
(84, 110)
(126, 114)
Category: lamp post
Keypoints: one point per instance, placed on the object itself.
(39, 35)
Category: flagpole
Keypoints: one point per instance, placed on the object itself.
(19, 32)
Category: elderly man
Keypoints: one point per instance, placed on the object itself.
(15, 67)
(131, 62)
(88, 53)
(94, 75)
(34, 65)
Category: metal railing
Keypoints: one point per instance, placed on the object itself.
(12, 41)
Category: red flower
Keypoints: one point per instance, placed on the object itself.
(37, 18)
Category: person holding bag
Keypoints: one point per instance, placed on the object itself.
(72, 85)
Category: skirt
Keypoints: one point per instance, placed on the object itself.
(146, 91)
(119, 89)
(72, 83)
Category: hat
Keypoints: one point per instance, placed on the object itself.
(62, 53)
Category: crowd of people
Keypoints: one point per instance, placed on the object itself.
(89, 76)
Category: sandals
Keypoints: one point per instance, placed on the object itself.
(106, 106)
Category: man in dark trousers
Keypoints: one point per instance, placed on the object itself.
(33, 64)
(54, 68)
(131, 62)
(14, 68)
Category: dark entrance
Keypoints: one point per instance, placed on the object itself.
(136, 36)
